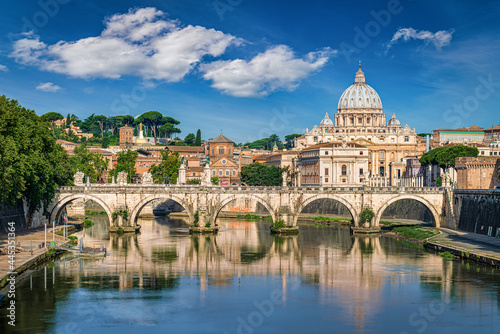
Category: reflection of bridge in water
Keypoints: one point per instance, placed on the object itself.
(281, 202)
(349, 268)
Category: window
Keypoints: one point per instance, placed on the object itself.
(220, 172)
(214, 172)
(326, 180)
(227, 172)
(381, 155)
(326, 130)
(360, 120)
(221, 150)
(382, 171)
(399, 173)
(406, 153)
(213, 151)
(326, 171)
(361, 171)
(315, 138)
(407, 138)
(234, 172)
(326, 152)
(344, 170)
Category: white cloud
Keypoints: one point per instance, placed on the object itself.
(138, 43)
(275, 69)
(3, 68)
(48, 87)
(439, 39)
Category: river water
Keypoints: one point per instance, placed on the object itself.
(244, 280)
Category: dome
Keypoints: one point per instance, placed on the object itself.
(394, 121)
(326, 121)
(360, 95)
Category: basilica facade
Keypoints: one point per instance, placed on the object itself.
(360, 119)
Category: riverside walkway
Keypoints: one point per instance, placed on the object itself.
(24, 239)
(477, 244)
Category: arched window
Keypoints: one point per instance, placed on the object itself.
(344, 170)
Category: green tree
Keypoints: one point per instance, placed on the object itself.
(125, 162)
(32, 165)
(167, 170)
(168, 129)
(91, 164)
(190, 138)
(197, 142)
(193, 181)
(153, 119)
(125, 120)
(258, 174)
(52, 117)
(445, 156)
(102, 121)
(290, 140)
(214, 180)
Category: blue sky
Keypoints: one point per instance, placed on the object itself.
(253, 68)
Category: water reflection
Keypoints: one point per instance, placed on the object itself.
(163, 275)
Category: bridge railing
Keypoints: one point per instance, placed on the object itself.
(214, 188)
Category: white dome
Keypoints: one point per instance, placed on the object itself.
(326, 120)
(360, 95)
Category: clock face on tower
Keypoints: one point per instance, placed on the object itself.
(223, 161)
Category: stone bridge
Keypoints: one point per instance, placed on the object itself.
(206, 202)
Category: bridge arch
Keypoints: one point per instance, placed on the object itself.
(57, 208)
(228, 200)
(352, 210)
(425, 202)
(138, 207)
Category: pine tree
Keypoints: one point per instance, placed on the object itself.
(197, 141)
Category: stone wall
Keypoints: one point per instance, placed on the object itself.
(408, 209)
(478, 211)
(12, 214)
(326, 207)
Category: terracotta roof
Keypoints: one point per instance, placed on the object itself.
(496, 127)
(473, 128)
(197, 149)
(65, 142)
(221, 139)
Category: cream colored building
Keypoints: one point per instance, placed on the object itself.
(333, 164)
(360, 119)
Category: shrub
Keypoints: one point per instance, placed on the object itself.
(367, 216)
(279, 223)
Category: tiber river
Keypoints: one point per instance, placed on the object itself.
(244, 280)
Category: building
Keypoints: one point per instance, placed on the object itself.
(68, 146)
(282, 159)
(477, 173)
(220, 150)
(333, 164)
(126, 136)
(492, 135)
(472, 134)
(360, 119)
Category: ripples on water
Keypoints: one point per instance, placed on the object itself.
(244, 280)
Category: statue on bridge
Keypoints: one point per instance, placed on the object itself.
(79, 176)
(122, 177)
(147, 178)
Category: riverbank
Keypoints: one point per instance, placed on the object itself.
(24, 260)
(460, 244)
